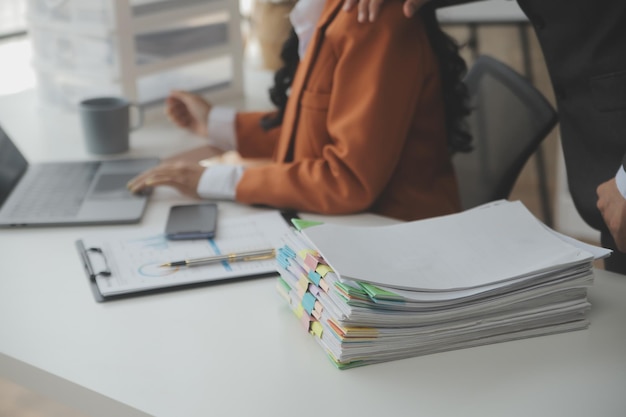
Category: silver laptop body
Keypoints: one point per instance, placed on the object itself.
(67, 193)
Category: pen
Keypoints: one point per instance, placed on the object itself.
(255, 255)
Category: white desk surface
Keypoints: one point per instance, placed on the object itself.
(236, 350)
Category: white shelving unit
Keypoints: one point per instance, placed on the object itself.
(140, 49)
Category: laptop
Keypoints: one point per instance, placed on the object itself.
(67, 193)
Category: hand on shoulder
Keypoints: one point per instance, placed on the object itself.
(368, 9)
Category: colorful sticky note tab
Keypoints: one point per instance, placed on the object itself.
(306, 321)
(299, 310)
(303, 282)
(311, 261)
(302, 254)
(303, 224)
(282, 260)
(308, 302)
(316, 329)
(317, 310)
(323, 269)
(379, 294)
(287, 251)
(314, 277)
(314, 289)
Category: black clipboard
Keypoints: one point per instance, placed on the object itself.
(95, 264)
(89, 254)
(93, 269)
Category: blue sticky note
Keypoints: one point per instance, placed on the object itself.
(308, 302)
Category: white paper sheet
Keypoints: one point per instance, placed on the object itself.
(134, 260)
(475, 248)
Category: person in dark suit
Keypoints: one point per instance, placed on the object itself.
(584, 45)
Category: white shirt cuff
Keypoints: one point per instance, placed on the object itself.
(220, 181)
(620, 181)
(221, 128)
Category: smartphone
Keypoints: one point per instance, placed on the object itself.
(195, 221)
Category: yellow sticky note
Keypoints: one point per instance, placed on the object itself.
(323, 269)
(316, 329)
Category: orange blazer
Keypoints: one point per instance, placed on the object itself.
(364, 125)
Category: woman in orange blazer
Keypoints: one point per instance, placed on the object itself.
(365, 127)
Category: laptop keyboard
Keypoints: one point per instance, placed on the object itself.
(57, 191)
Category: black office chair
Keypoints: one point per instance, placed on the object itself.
(509, 120)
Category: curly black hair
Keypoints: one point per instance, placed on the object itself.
(452, 68)
(282, 81)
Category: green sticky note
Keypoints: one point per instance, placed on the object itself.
(303, 224)
(378, 293)
(351, 291)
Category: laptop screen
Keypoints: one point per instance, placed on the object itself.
(12, 166)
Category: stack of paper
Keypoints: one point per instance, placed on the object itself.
(492, 274)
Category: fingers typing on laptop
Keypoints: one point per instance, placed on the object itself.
(182, 175)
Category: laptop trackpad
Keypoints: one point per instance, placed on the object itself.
(111, 186)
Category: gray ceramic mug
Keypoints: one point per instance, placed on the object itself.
(107, 125)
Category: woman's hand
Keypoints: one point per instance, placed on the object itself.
(368, 9)
(612, 205)
(189, 111)
(184, 176)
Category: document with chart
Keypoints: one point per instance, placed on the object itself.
(119, 264)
